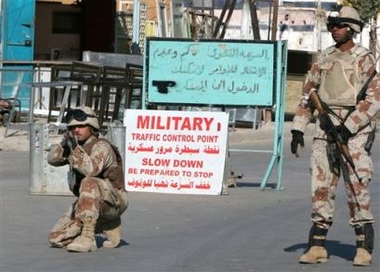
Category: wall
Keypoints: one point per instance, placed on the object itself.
(45, 40)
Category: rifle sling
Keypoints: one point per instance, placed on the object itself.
(361, 95)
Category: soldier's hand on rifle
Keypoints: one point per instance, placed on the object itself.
(297, 141)
(68, 143)
(323, 122)
(65, 146)
(344, 133)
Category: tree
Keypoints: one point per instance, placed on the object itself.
(368, 11)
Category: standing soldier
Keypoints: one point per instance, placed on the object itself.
(96, 178)
(345, 80)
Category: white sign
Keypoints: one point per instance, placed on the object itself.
(175, 151)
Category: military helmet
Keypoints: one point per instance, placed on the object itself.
(82, 116)
(347, 16)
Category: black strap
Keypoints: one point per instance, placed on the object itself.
(361, 95)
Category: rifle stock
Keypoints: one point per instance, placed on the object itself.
(317, 102)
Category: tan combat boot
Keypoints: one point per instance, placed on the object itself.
(111, 229)
(113, 237)
(364, 245)
(85, 242)
(362, 258)
(316, 254)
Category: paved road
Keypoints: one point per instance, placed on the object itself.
(246, 230)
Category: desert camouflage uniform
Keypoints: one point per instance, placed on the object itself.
(99, 196)
(323, 181)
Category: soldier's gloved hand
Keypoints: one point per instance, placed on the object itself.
(344, 133)
(297, 140)
(65, 144)
(73, 141)
(68, 143)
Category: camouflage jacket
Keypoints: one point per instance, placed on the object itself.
(364, 111)
(95, 158)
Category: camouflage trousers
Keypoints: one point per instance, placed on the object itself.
(324, 184)
(97, 199)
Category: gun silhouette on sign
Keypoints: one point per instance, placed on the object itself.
(162, 85)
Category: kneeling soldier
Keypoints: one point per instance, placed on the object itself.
(96, 178)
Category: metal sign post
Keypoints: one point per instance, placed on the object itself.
(49, 180)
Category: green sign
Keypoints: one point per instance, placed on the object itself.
(211, 72)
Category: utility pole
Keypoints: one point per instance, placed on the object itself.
(319, 27)
(274, 20)
(224, 19)
(267, 112)
(136, 27)
(249, 8)
(254, 19)
(162, 18)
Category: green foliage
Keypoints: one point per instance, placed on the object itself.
(367, 9)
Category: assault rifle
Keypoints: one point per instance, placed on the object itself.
(68, 144)
(340, 156)
(332, 132)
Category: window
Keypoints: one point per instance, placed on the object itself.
(66, 23)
